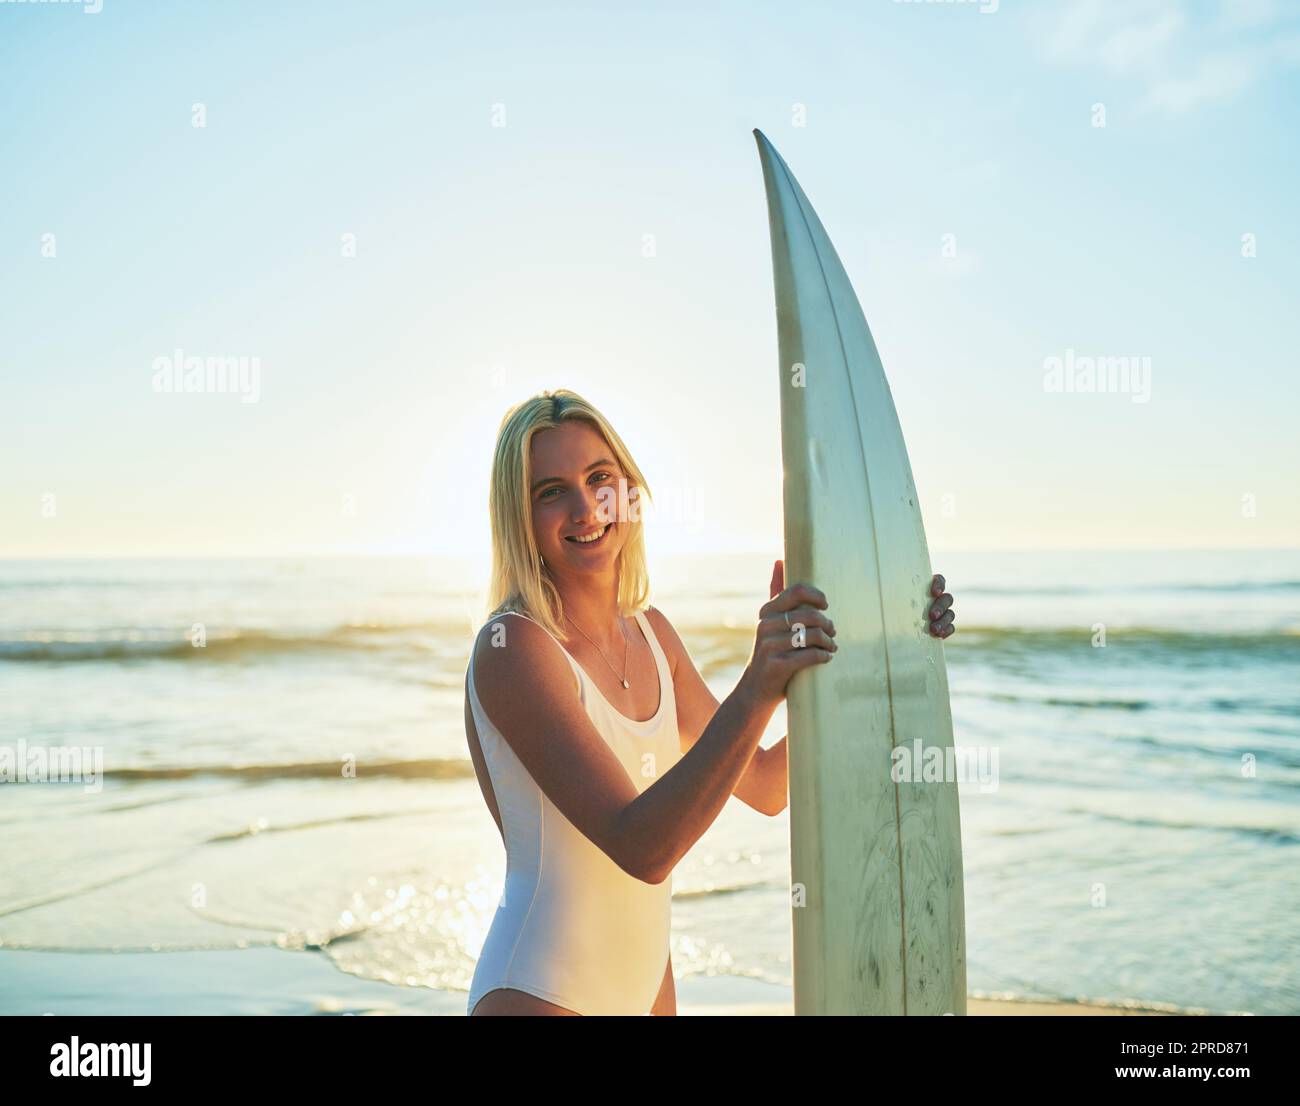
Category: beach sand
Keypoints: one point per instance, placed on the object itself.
(974, 1006)
(277, 981)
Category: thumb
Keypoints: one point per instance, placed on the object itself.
(778, 579)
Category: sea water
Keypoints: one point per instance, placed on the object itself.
(284, 764)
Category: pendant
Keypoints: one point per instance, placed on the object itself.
(626, 684)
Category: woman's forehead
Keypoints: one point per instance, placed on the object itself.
(570, 441)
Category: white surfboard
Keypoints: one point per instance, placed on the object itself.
(876, 866)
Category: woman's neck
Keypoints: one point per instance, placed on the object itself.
(592, 604)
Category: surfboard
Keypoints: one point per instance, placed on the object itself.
(877, 901)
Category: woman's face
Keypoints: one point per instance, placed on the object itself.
(576, 491)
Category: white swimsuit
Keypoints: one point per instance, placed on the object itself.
(572, 927)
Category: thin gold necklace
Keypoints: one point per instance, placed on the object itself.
(602, 651)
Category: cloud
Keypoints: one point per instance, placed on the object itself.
(1248, 13)
(1120, 37)
(1213, 78)
(1177, 61)
(1141, 44)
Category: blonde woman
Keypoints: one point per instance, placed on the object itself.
(601, 753)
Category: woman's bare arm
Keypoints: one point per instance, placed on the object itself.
(763, 784)
(526, 685)
(527, 688)
(673, 813)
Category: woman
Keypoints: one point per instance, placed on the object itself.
(601, 752)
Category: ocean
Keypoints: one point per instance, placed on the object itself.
(284, 766)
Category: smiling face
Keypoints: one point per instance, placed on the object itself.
(574, 492)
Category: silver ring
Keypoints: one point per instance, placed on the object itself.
(787, 621)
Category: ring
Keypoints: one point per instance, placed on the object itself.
(787, 621)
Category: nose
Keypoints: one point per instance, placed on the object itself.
(592, 509)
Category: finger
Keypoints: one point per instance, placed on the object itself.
(948, 631)
(796, 595)
(778, 579)
(937, 585)
(802, 658)
(815, 637)
(820, 639)
(783, 622)
(940, 605)
(937, 626)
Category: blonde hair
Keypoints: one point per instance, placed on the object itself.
(520, 582)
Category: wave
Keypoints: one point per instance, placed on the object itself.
(1119, 1005)
(1099, 703)
(128, 645)
(713, 647)
(1285, 638)
(1250, 705)
(1273, 835)
(1130, 589)
(258, 829)
(710, 890)
(432, 769)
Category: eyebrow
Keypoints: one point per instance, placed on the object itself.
(605, 461)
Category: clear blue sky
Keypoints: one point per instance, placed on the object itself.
(495, 260)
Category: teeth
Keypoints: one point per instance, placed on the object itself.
(594, 537)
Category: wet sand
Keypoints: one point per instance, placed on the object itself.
(278, 982)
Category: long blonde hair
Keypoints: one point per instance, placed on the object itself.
(520, 582)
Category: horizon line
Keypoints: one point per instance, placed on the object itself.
(362, 555)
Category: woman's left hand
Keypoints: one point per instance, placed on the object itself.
(940, 612)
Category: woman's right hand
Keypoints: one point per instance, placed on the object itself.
(780, 650)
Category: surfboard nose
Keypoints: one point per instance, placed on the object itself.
(766, 151)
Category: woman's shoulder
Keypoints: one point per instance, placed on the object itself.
(506, 627)
(508, 643)
(496, 622)
(666, 634)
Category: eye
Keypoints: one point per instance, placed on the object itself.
(603, 474)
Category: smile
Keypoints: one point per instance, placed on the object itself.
(593, 541)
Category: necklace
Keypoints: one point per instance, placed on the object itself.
(602, 651)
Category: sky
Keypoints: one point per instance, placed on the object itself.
(415, 215)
